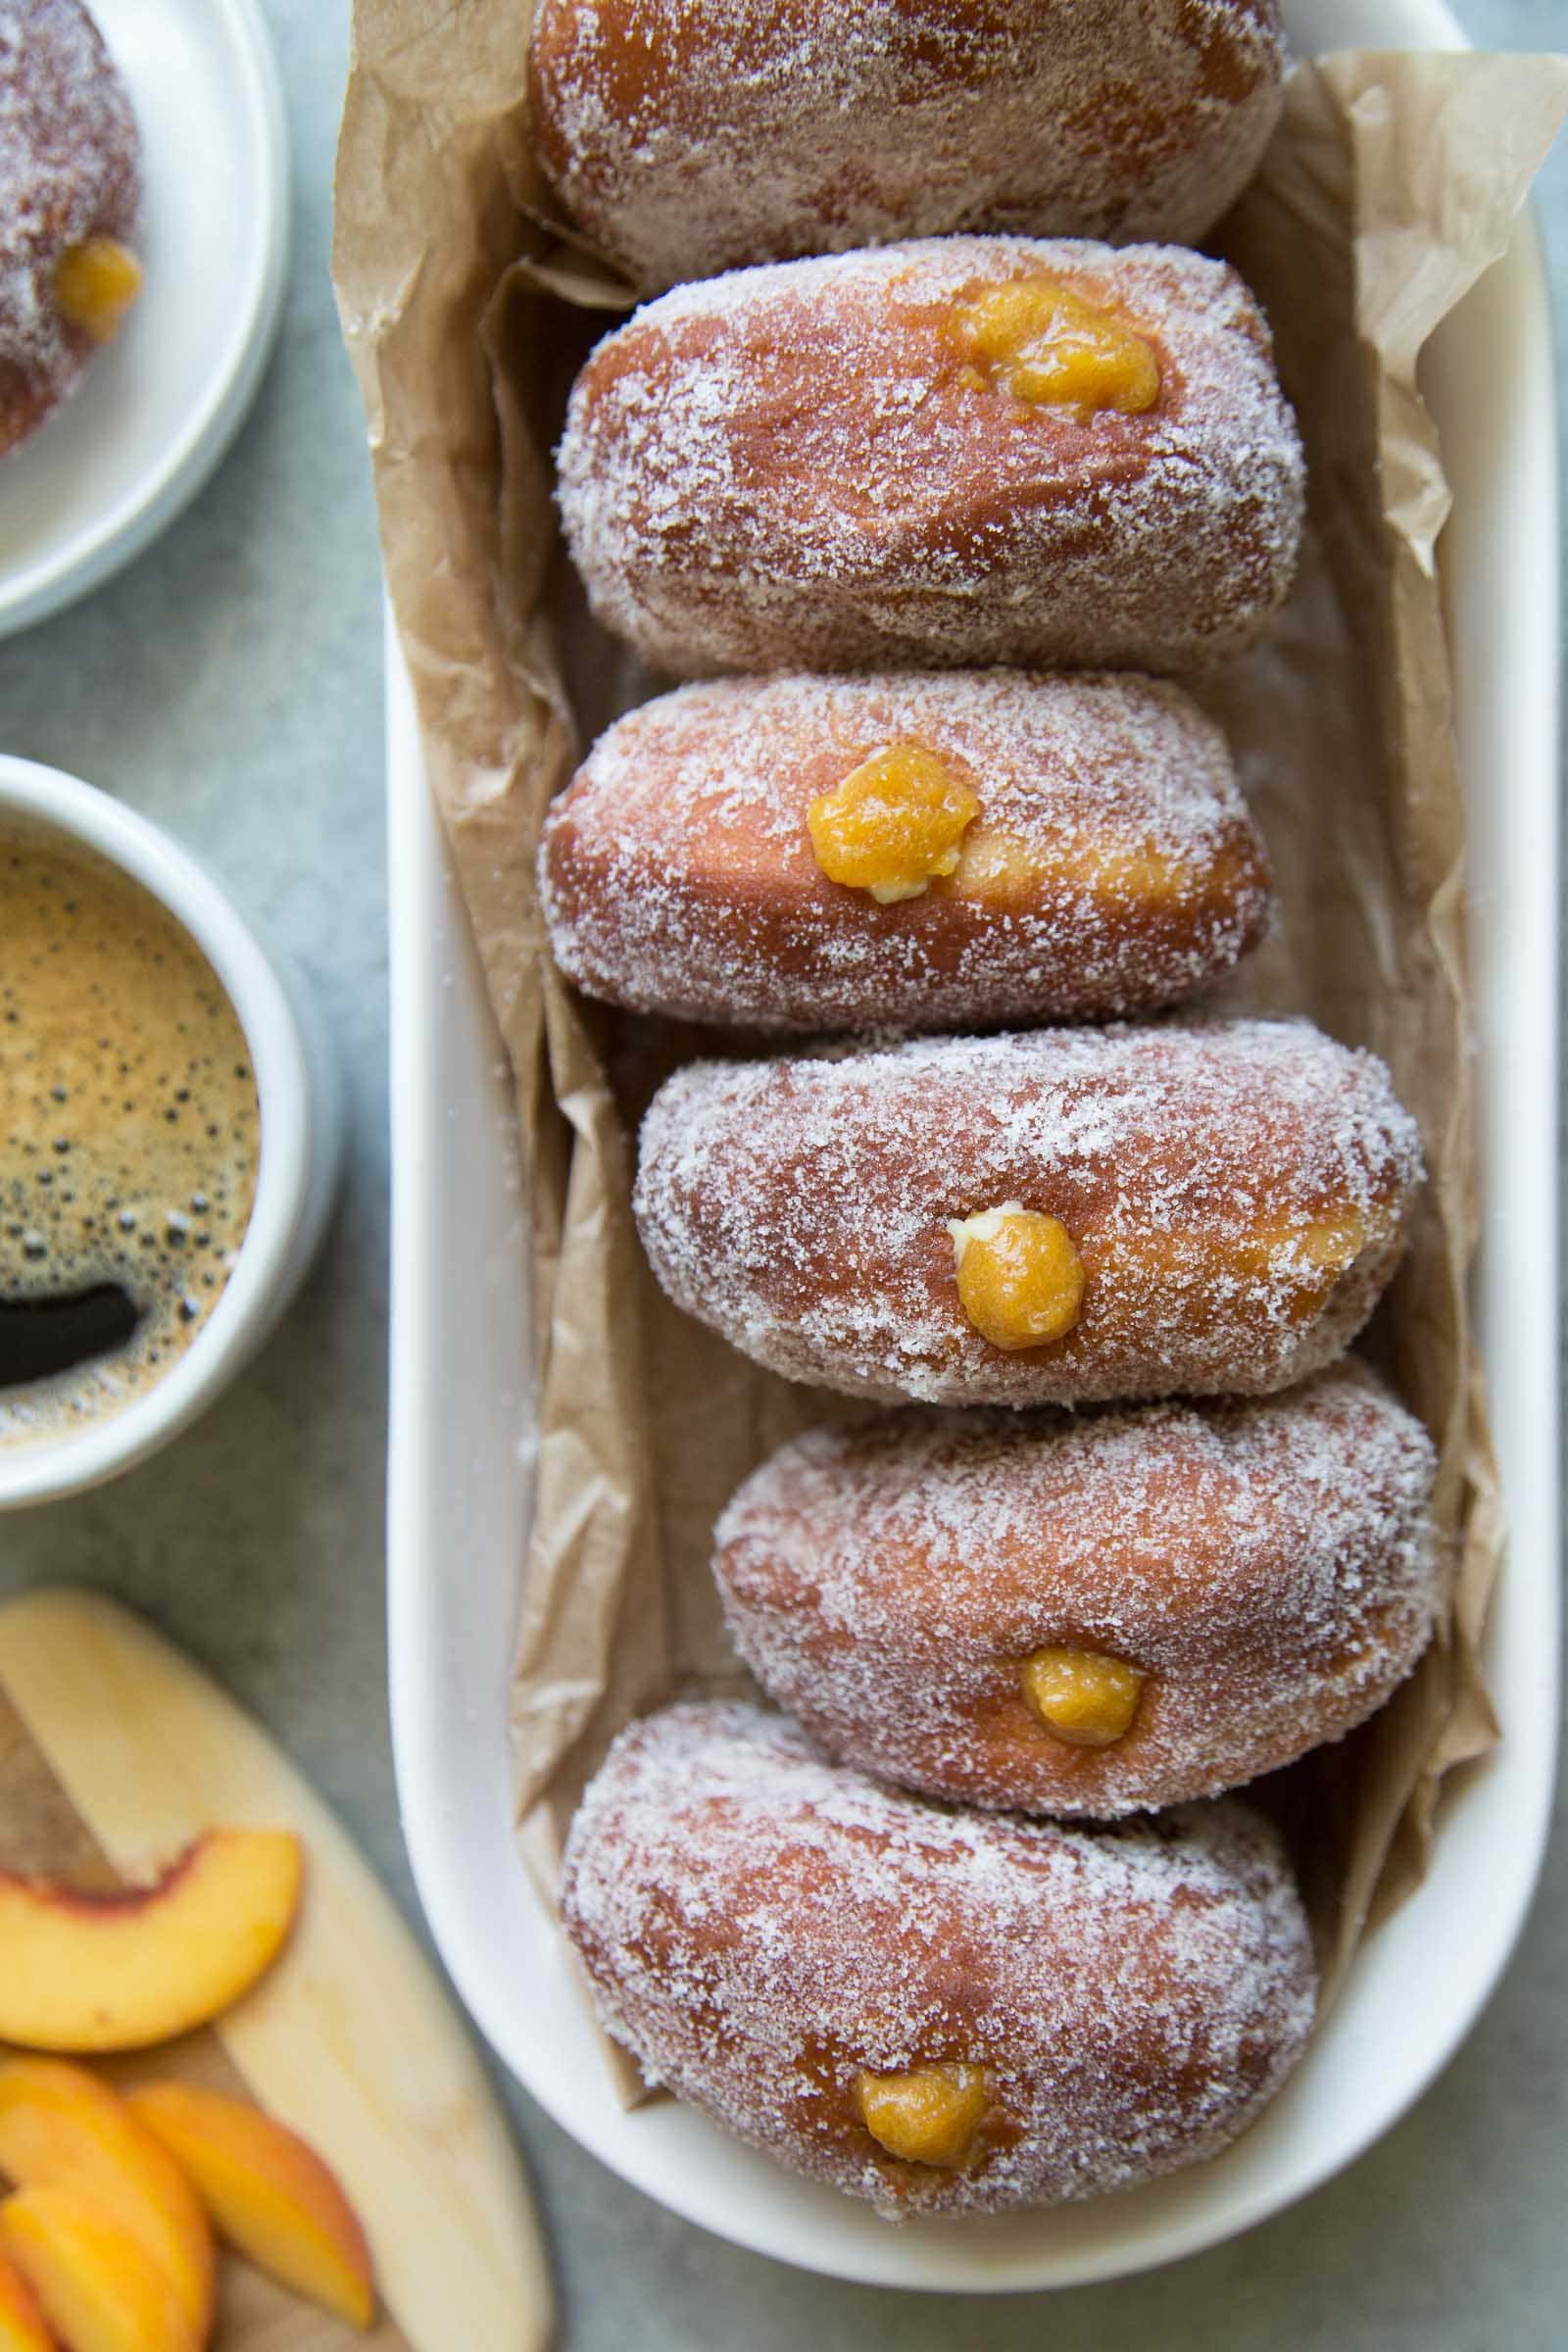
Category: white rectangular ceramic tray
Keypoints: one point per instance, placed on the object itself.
(460, 1477)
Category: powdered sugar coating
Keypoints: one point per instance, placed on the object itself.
(759, 1924)
(690, 136)
(800, 1207)
(1270, 1566)
(785, 469)
(68, 172)
(677, 874)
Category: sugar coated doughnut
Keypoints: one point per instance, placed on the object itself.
(1090, 1614)
(930, 852)
(1045, 1219)
(69, 187)
(942, 2012)
(971, 450)
(689, 136)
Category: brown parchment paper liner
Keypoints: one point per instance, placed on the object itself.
(1392, 184)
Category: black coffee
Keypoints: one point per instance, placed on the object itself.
(129, 1139)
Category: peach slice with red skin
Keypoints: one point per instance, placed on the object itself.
(61, 2127)
(270, 2195)
(115, 1972)
(98, 2289)
(21, 2327)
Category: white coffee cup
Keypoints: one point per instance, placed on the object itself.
(301, 1134)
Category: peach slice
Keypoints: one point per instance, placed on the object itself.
(98, 2290)
(115, 1972)
(21, 2327)
(268, 2194)
(61, 2128)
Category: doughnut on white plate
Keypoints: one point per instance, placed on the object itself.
(156, 411)
(459, 1483)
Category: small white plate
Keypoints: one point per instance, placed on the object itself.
(157, 410)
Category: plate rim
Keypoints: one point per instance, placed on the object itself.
(117, 537)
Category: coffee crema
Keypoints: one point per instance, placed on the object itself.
(129, 1135)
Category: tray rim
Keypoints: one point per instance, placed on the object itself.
(1518, 1293)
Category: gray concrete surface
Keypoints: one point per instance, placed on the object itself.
(228, 685)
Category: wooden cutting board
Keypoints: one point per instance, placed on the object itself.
(116, 1751)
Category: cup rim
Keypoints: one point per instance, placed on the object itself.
(93, 819)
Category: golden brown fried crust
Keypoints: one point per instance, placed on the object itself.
(689, 136)
(678, 876)
(794, 468)
(68, 172)
(759, 1926)
(1269, 1568)
(800, 1207)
